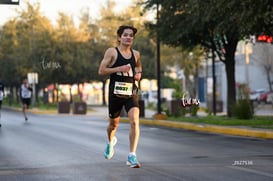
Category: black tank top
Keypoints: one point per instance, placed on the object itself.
(126, 77)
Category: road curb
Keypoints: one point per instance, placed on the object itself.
(33, 110)
(247, 132)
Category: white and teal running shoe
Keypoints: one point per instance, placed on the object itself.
(109, 151)
(132, 162)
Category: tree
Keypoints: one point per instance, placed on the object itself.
(214, 24)
(24, 40)
(8, 63)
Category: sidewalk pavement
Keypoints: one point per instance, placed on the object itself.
(149, 120)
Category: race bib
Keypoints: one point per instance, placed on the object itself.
(123, 88)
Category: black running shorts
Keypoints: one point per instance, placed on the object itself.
(26, 101)
(116, 104)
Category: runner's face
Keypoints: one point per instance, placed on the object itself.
(127, 37)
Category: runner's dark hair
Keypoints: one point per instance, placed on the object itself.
(123, 27)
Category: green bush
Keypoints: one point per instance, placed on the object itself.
(184, 110)
(243, 109)
(180, 113)
(194, 110)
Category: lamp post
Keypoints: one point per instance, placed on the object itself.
(158, 61)
(213, 84)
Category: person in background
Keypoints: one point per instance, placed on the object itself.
(123, 65)
(2, 94)
(25, 94)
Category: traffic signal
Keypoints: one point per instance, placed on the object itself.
(15, 2)
(265, 38)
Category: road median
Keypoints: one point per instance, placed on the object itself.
(227, 130)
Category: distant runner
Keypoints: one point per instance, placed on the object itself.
(25, 93)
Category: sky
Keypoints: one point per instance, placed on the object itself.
(50, 8)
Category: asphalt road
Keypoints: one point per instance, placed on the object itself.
(70, 148)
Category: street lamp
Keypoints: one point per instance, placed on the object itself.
(158, 62)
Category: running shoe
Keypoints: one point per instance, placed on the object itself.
(132, 162)
(109, 151)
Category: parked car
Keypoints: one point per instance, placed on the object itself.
(263, 97)
(270, 98)
(255, 95)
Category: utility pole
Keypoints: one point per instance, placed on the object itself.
(158, 62)
(213, 84)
